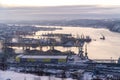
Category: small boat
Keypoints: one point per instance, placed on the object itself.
(102, 38)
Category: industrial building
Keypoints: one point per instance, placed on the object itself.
(42, 58)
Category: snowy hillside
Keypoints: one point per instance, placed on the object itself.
(10, 75)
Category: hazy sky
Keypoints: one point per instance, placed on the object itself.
(59, 13)
(12, 3)
(58, 9)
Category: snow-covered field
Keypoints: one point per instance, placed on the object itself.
(4, 75)
(10, 75)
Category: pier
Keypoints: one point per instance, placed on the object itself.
(105, 60)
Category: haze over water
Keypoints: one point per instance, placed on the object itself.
(99, 49)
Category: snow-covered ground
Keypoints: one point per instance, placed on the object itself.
(87, 76)
(4, 75)
(10, 75)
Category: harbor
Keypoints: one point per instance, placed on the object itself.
(53, 62)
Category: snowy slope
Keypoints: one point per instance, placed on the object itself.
(6, 75)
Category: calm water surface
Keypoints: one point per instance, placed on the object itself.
(99, 49)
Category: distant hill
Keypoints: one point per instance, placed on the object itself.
(86, 16)
(111, 24)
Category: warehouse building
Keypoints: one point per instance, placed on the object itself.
(41, 58)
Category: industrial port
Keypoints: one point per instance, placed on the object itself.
(62, 64)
